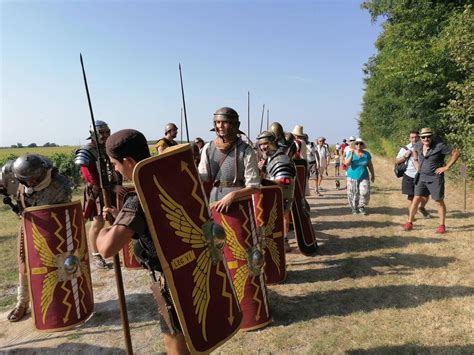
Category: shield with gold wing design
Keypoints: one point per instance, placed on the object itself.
(128, 250)
(189, 245)
(58, 266)
(269, 219)
(304, 232)
(245, 260)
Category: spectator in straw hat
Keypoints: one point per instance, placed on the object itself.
(429, 155)
(300, 144)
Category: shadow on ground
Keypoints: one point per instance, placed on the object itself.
(345, 210)
(67, 348)
(390, 264)
(140, 307)
(363, 222)
(333, 245)
(415, 349)
(294, 308)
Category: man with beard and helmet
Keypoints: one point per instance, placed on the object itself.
(228, 162)
(278, 167)
(39, 184)
(171, 131)
(87, 158)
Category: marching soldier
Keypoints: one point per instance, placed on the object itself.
(279, 168)
(231, 165)
(228, 162)
(171, 131)
(40, 184)
(87, 158)
(126, 148)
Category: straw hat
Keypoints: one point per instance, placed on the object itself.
(352, 139)
(298, 131)
(360, 140)
(426, 132)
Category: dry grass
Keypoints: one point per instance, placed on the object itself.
(373, 289)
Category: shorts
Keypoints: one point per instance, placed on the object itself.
(434, 188)
(408, 185)
(337, 165)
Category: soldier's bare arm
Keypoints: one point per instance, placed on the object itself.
(110, 240)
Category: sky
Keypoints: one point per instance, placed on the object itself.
(302, 59)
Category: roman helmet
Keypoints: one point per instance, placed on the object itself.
(170, 127)
(277, 130)
(99, 126)
(31, 168)
(269, 138)
(229, 115)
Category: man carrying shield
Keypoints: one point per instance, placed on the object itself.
(87, 158)
(126, 148)
(228, 162)
(280, 168)
(40, 184)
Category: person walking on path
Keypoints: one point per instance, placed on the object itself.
(408, 179)
(358, 185)
(324, 158)
(428, 156)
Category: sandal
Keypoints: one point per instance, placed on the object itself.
(17, 313)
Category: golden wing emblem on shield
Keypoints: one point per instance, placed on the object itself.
(239, 253)
(268, 231)
(48, 259)
(190, 233)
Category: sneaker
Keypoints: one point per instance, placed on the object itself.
(363, 211)
(441, 229)
(424, 212)
(354, 211)
(408, 226)
(321, 189)
(100, 263)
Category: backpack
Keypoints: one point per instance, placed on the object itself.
(399, 169)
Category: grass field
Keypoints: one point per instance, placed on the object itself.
(372, 288)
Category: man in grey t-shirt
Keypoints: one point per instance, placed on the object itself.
(429, 157)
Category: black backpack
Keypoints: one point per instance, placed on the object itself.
(399, 169)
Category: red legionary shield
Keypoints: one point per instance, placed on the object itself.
(269, 218)
(304, 232)
(245, 260)
(178, 217)
(128, 250)
(57, 261)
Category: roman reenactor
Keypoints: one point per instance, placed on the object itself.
(87, 158)
(180, 246)
(231, 165)
(39, 184)
(171, 131)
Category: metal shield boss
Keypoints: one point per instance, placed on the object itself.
(304, 232)
(189, 245)
(269, 219)
(245, 260)
(57, 260)
(128, 250)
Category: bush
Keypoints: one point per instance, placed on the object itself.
(65, 165)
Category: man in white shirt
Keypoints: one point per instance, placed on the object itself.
(324, 159)
(408, 179)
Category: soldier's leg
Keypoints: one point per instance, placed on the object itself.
(96, 226)
(175, 344)
(23, 299)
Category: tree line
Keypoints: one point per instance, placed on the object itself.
(421, 76)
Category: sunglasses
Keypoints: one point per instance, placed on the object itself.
(359, 143)
(426, 137)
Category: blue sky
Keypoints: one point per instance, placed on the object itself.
(302, 59)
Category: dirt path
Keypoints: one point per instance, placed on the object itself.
(373, 288)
